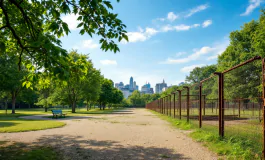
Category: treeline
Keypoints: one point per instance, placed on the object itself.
(243, 82)
(35, 69)
(82, 84)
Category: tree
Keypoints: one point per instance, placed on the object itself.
(105, 96)
(35, 26)
(10, 78)
(92, 86)
(79, 68)
(117, 96)
(200, 73)
(136, 99)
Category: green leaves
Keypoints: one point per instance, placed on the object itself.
(2, 47)
(37, 25)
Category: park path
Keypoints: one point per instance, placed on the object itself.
(123, 135)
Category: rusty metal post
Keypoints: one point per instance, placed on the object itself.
(170, 105)
(204, 104)
(263, 109)
(160, 104)
(162, 99)
(221, 102)
(200, 105)
(167, 105)
(179, 103)
(188, 103)
(174, 98)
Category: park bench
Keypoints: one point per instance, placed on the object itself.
(57, 113)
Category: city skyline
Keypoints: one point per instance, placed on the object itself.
(167, 38)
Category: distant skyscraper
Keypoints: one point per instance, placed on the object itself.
(131, 83)
(160, 86)
(146, 89)
(134, 85)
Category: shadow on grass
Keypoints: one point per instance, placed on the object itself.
(77, 147)
(68, 118)
(7, 124)
(21, 151)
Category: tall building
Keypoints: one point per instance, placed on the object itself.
(160, 86)
(131, 83)
(146, 89)
(128, 88)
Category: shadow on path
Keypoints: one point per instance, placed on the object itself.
(76, 147)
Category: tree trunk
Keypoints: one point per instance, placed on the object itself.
(29, 105)
(46, 109)
(89, 105)
(73, 107)
(86, 106)
(13, 103)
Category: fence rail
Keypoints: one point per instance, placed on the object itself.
(231, 101)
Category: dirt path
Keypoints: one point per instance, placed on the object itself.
(125, 135)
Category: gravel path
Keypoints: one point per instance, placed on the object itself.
(124, 135)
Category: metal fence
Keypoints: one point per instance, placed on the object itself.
(230, 102)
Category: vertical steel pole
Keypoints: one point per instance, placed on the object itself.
(170, 105)
(179, 104)
(174, 104)
(167, 105)
(222, 103)
(204, 104)
(200, 105)
(220, 96)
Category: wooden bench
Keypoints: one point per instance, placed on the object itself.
(57, 113)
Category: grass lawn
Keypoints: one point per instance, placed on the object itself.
(19, 151)
(12, 123)
(243, 141)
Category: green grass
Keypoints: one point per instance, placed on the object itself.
(12, 123)
(240, 141)
(23, 152)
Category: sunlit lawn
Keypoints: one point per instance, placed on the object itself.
(12, 123)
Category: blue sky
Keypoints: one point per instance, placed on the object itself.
(167, 38)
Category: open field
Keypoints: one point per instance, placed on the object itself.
(128, 134)
(16, 123)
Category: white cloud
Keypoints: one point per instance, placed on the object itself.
(197, 53)
(188, 69)
(181, 27)
(253, 4)
(171, 16)
(180, 54)
(197, 9)
(206, 23)
(219, 49)
(89, 44)
(71, 20)
(108, 62)
(141, 35)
